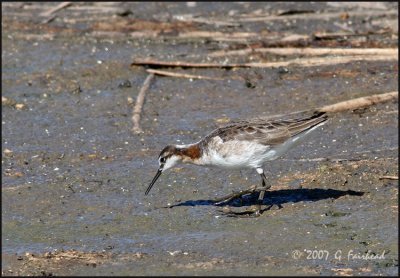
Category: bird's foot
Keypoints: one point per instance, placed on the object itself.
(236, 194)
(253, 211)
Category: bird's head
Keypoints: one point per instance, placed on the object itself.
(168, 158)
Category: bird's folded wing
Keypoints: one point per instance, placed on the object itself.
(268, 132)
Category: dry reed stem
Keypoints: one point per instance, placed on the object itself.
(137, 110)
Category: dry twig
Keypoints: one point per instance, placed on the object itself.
(344, 105)
(286, 51)
(359, 102)
(137, 110)
(334, 36)
(309, 16)
(56, 9)
(216, 22)
(267, 39)
(151, 62)
(182, 75)
(389, 177)
(50, 16)
(305, 62)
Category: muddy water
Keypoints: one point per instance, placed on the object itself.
(74, 175)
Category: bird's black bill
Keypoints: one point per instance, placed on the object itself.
(153, 182)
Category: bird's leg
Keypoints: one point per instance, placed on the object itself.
(236, 194)
(255, 210)
(265, 185)
(252, 189)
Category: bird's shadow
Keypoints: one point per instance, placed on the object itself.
(277, 197)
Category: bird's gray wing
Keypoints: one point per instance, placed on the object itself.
(267, 132)
(263, 133)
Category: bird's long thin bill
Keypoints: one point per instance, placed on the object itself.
(153, 181)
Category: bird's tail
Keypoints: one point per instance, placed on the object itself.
(304, 124)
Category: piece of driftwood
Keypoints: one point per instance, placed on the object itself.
(49, 19)
(315, 16)
(216, 22)
(359, 102)
(343, 105)
(271, 39)
(304, 62)
(238, 37)
(208, 34)
(56, 9)
(50, 14)
(182, 64)
(242, 37)
(137, 110)
(182, 75)
(286, 51)
(389, 178)
(338, 35)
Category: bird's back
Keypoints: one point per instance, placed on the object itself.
(267, 131)
(257, 140)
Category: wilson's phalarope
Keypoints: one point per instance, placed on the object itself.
(243, 144)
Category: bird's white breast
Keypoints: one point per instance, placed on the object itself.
(234, 154)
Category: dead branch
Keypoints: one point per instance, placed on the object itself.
(219, 36)
(305, 62)
(333, 36)
(56, 9)
(241, 37)
(182, 75)
(49, 19)
(191, 18)
(359, 102)
(96, 9)
(172, 64)
(283, 51)
(389, 177)
(309, 16)
(207, 34)
(269, 39)
(344, 105)
(137, 110)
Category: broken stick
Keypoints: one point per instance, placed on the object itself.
(351, 104)
(304, 62)
(182, 75)
(359, 102)
(56, 9)
(50, 16)
(137, 110)
(308, 51)
(182, 64)
(314, 16)
(389, 177)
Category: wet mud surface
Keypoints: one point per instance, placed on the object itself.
(74, 174)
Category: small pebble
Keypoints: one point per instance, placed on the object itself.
(125, 84)
(173, 253)
(20, 106)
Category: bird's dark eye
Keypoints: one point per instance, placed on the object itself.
(162, 159)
